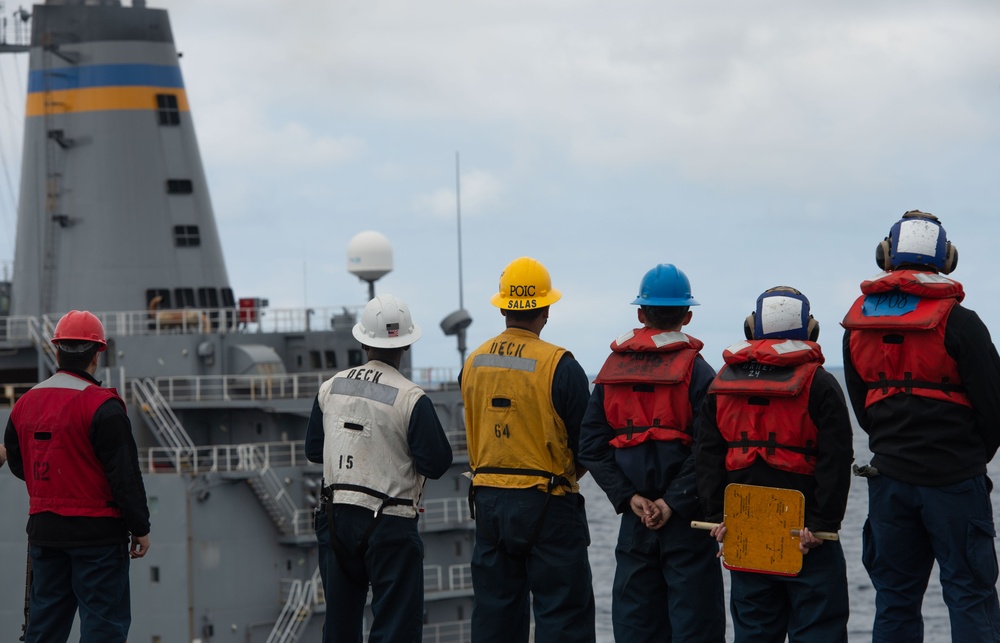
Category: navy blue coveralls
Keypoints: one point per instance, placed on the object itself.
(555, 568)
(931, 499)
(393, 560)
(813, 606)
(668, 583)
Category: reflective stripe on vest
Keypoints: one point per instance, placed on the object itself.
(366, 456)
(516, 439)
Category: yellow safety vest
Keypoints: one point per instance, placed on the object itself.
(516, 439)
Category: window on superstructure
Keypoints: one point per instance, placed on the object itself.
(180, 186)
(331, 359)
(157, 298)
(184, 297)
(166, 110)
(208, 297)
(186, 236)
(355, 357)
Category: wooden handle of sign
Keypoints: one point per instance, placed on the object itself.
(697, 524)
(822, 535)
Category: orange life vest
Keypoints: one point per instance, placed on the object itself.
(897, 336)
(762, 404)
(646, 380)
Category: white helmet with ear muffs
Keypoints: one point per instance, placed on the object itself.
(386, 323)
(782, 313)
(918, 240)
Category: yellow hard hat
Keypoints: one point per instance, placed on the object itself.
(525, 284)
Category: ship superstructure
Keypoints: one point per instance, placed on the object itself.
(115, 217)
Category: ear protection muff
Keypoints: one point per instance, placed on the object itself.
(883, 261)
(950, 259)
(882, 255)
(812, 327)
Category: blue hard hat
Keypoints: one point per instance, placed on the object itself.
(665, 285)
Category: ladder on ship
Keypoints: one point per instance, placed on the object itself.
(41, 336)
(166, 428)
(269, 489)
(302, 599)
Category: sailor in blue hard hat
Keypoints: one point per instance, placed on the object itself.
(636, 440)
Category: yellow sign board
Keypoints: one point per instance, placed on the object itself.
(762, 529)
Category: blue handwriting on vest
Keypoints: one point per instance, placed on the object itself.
(889, 304)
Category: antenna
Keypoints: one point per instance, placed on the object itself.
(458, 321)
(369, 256)
(458, 216)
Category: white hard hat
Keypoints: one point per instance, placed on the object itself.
(386, 323)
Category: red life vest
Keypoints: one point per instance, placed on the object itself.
(897, 336)
(646, 380)
(762, 404)
(62, 473)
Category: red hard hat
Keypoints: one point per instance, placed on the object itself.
(80, 325)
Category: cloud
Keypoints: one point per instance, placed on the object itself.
(479, 191)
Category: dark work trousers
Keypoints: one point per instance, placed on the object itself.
(811, 607)
(325, 555)
(93, 579)
(668, 584)
(555, 569)
(393, 564)
(908, 528)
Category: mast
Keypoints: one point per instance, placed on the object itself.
(111, 175)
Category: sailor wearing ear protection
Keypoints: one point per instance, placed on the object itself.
(923, 377)
(775, 417)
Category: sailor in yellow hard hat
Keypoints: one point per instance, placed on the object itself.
(524, 400)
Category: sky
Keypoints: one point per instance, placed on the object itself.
(750, 144)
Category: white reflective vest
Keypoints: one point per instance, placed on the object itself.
(366, 457)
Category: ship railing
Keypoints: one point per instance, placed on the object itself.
(270, 489)
(16, 35)
(448, 632)
(455, 577)
(445, 511)
(295, 615)
(458, 440)
(226, 458)
(226, 320)
(166, 427)
(40, 333)
(302, 522)
(228, 388)
(199, 320)
(435, 377)
(460, 576)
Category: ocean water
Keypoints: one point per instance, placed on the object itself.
(604, 534)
